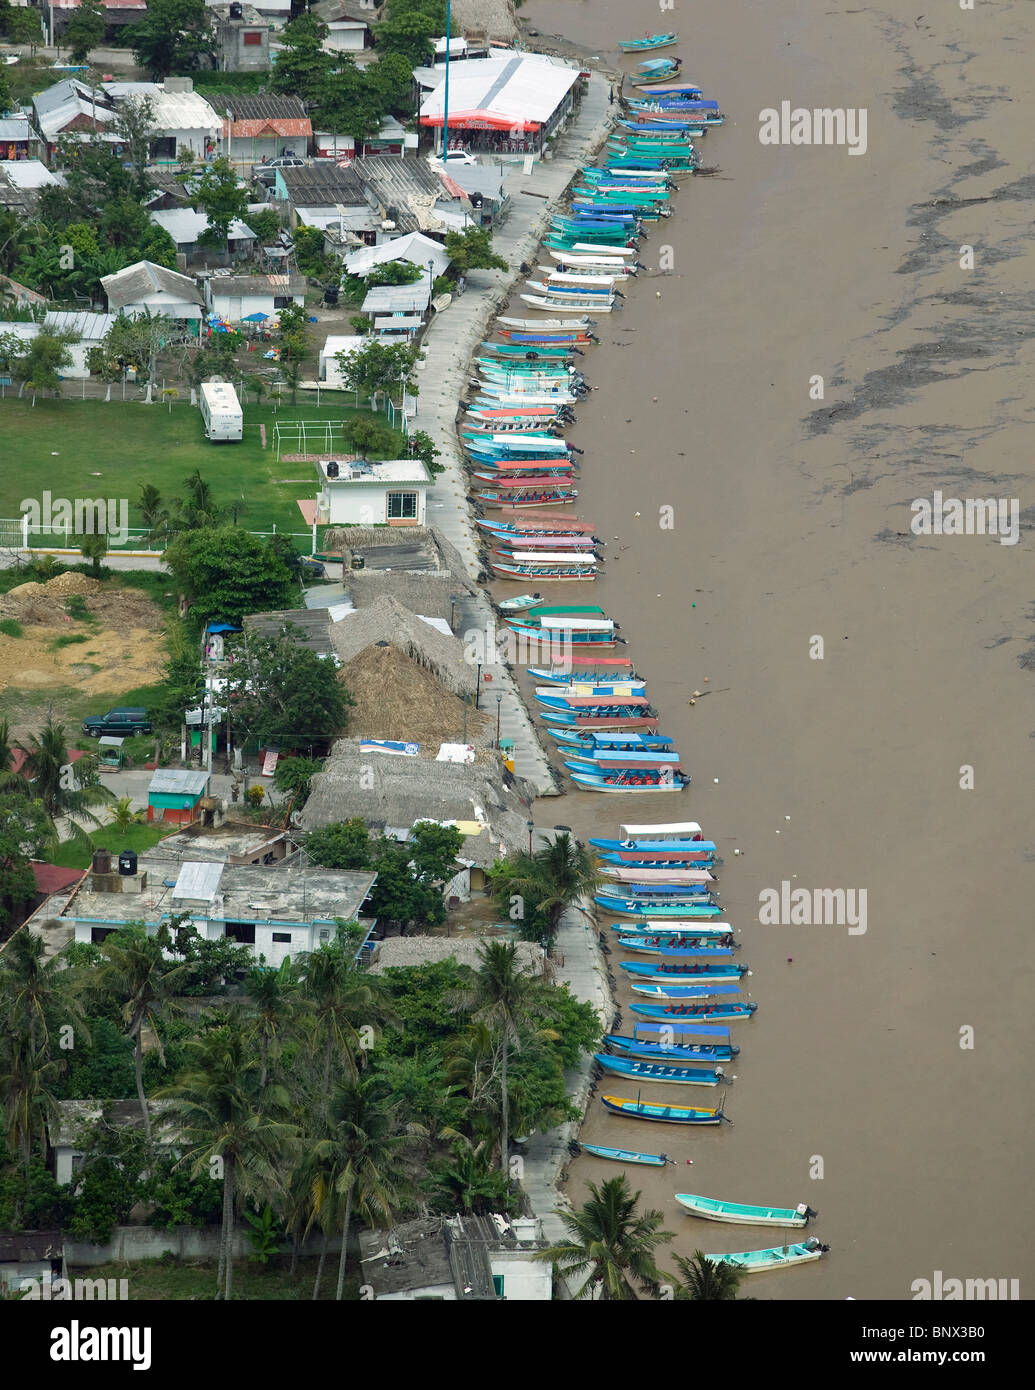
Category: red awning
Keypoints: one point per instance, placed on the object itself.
(480, 120)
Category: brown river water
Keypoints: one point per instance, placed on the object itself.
(791, 522)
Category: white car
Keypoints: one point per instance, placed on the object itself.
(453, 157)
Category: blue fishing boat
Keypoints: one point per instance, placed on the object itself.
(681, 1052)
(642, 843)
(627, 1155)
(657, 69)
(706, 1013)
(667, 1114)
(617, 743)
(653, 1071)
(678, 972)
(641, 859)
(741, 1214)
(626, 781)
(704, 948)
(677, 87)
(648, 43)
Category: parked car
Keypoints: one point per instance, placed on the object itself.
(453, 157)
(124, 720)
(310, 569)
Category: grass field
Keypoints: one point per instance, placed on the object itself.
(70, 855)
(89, 449)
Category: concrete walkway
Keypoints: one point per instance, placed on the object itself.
(450, 343)
(546, 1155)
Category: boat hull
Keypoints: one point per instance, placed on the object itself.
(740, 1214)
(776, 1257)
(662, 1114)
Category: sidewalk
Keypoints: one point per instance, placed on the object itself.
(546, 1155)
(449, 345)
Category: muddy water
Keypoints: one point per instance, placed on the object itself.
(792, 521)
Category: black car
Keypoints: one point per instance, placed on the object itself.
(124, 720)
(310, 569)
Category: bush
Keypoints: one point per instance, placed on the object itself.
(10, 628)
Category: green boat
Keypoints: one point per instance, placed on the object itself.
(776, 1257)
(743, 1215)
(648, 44)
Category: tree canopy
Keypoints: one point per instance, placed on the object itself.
(175, 37)
(283, 693)
(225, 573)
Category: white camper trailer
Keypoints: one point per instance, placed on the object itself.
(221, 412)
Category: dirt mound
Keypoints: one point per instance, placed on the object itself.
(61, 586)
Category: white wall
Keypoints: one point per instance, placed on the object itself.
(523, 1279)
(236, 307)
(366, 504)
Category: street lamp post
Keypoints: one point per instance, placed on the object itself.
(478, 690)
(499, 706)
(531, 827)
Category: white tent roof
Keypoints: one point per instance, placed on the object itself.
(513, 90)
(413, 247)
(185, 225)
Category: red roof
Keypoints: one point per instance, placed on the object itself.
(51, 879)
(18, 758)
(268, 125)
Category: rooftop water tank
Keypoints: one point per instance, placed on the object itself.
(128, 862)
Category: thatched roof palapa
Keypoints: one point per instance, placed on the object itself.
(386, 620)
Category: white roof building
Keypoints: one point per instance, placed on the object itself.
(413, 247)
(185, 226)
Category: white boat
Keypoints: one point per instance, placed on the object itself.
(680, 830)
(550, 303)
(740, 1214)
(593, 248)
(574, 271)
(551, 325)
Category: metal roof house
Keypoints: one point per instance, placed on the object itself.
(236, 297)
(186, 226)
(463, 1259)
(145, 286)
(174, 794)
(257, 127)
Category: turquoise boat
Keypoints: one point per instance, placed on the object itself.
(776, 1257)
(743, 1215)
(650, 909)
(627, 1155)
(648, 44)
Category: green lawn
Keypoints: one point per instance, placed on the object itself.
(90, 449)
(70, 855)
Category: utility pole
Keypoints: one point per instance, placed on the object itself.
(445, 109)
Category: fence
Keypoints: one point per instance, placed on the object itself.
(16, 534)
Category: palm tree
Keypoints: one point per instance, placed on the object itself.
(504, 998)
(65, 793)
(230, 1126)
(703, 1280)
(354, 1166)
(199, 508)
(35, 992)
(9, 780)
(565, 871)
(467, 1182)
(26, 1099)
(122, 814)
(611, 1243)
(154, 513)
(274, 995)
(341, 1000)
(136, 971)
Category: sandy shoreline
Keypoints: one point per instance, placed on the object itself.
(790, 517)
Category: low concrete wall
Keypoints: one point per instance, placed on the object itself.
(150, 1243)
